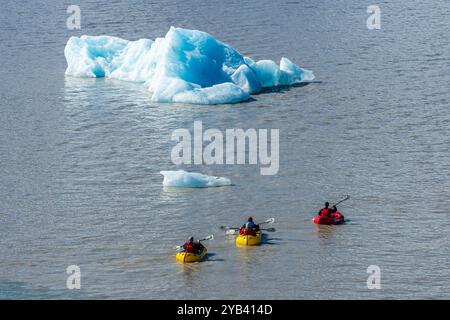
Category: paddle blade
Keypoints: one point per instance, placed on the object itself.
(230, 232)
(210, 237)
(227, 228)
(269, 230)
(269, 221)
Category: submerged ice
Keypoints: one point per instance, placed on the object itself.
(187, 66)
(184, 179)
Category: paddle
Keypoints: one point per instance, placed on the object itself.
(345, 198)
(210, 237)
(231, 230)
(234, 230)
(268, 221)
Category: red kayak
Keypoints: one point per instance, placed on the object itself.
(335, 218)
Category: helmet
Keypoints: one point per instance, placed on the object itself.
(191, 239)
(327, 204)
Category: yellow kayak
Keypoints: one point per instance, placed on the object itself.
(249, 240)
(187, 257)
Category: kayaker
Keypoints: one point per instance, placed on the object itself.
(250, 224)
(189, 246)
(198, 247)
(325, 212)
(249, 228)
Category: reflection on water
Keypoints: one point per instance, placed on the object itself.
(190, 273)
(246, 255)
(325, 232)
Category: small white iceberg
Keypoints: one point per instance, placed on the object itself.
(184, 179)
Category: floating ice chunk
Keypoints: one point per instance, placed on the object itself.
(188, 66)
(220, 93)
(92, 56)
(183, 179)
(197, 57)
(136, 62)
(267, 72)
(245, 78)
(166, 88)
(291, 73)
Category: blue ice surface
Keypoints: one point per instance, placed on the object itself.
(186, 66)
(184, 179)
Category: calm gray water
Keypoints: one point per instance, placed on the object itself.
(80, 158)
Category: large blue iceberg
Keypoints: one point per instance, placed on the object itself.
(184, 179)
(187, 66)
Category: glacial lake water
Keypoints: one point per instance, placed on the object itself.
(80, 158)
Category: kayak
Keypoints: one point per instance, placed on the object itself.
(187, 257)
(336, 218)
(249, 240)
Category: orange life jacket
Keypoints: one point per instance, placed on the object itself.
(325, 212)
(247, 231)
(190, 247)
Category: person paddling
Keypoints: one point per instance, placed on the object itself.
(193, 247)
(199, 247)
(189, 246)
(325, 212)
(249, 227)
(331, 215)
(250, 224)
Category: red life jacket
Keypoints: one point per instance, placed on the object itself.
(336, 214)
(324, 212)
(190, 247)
(247, 231)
